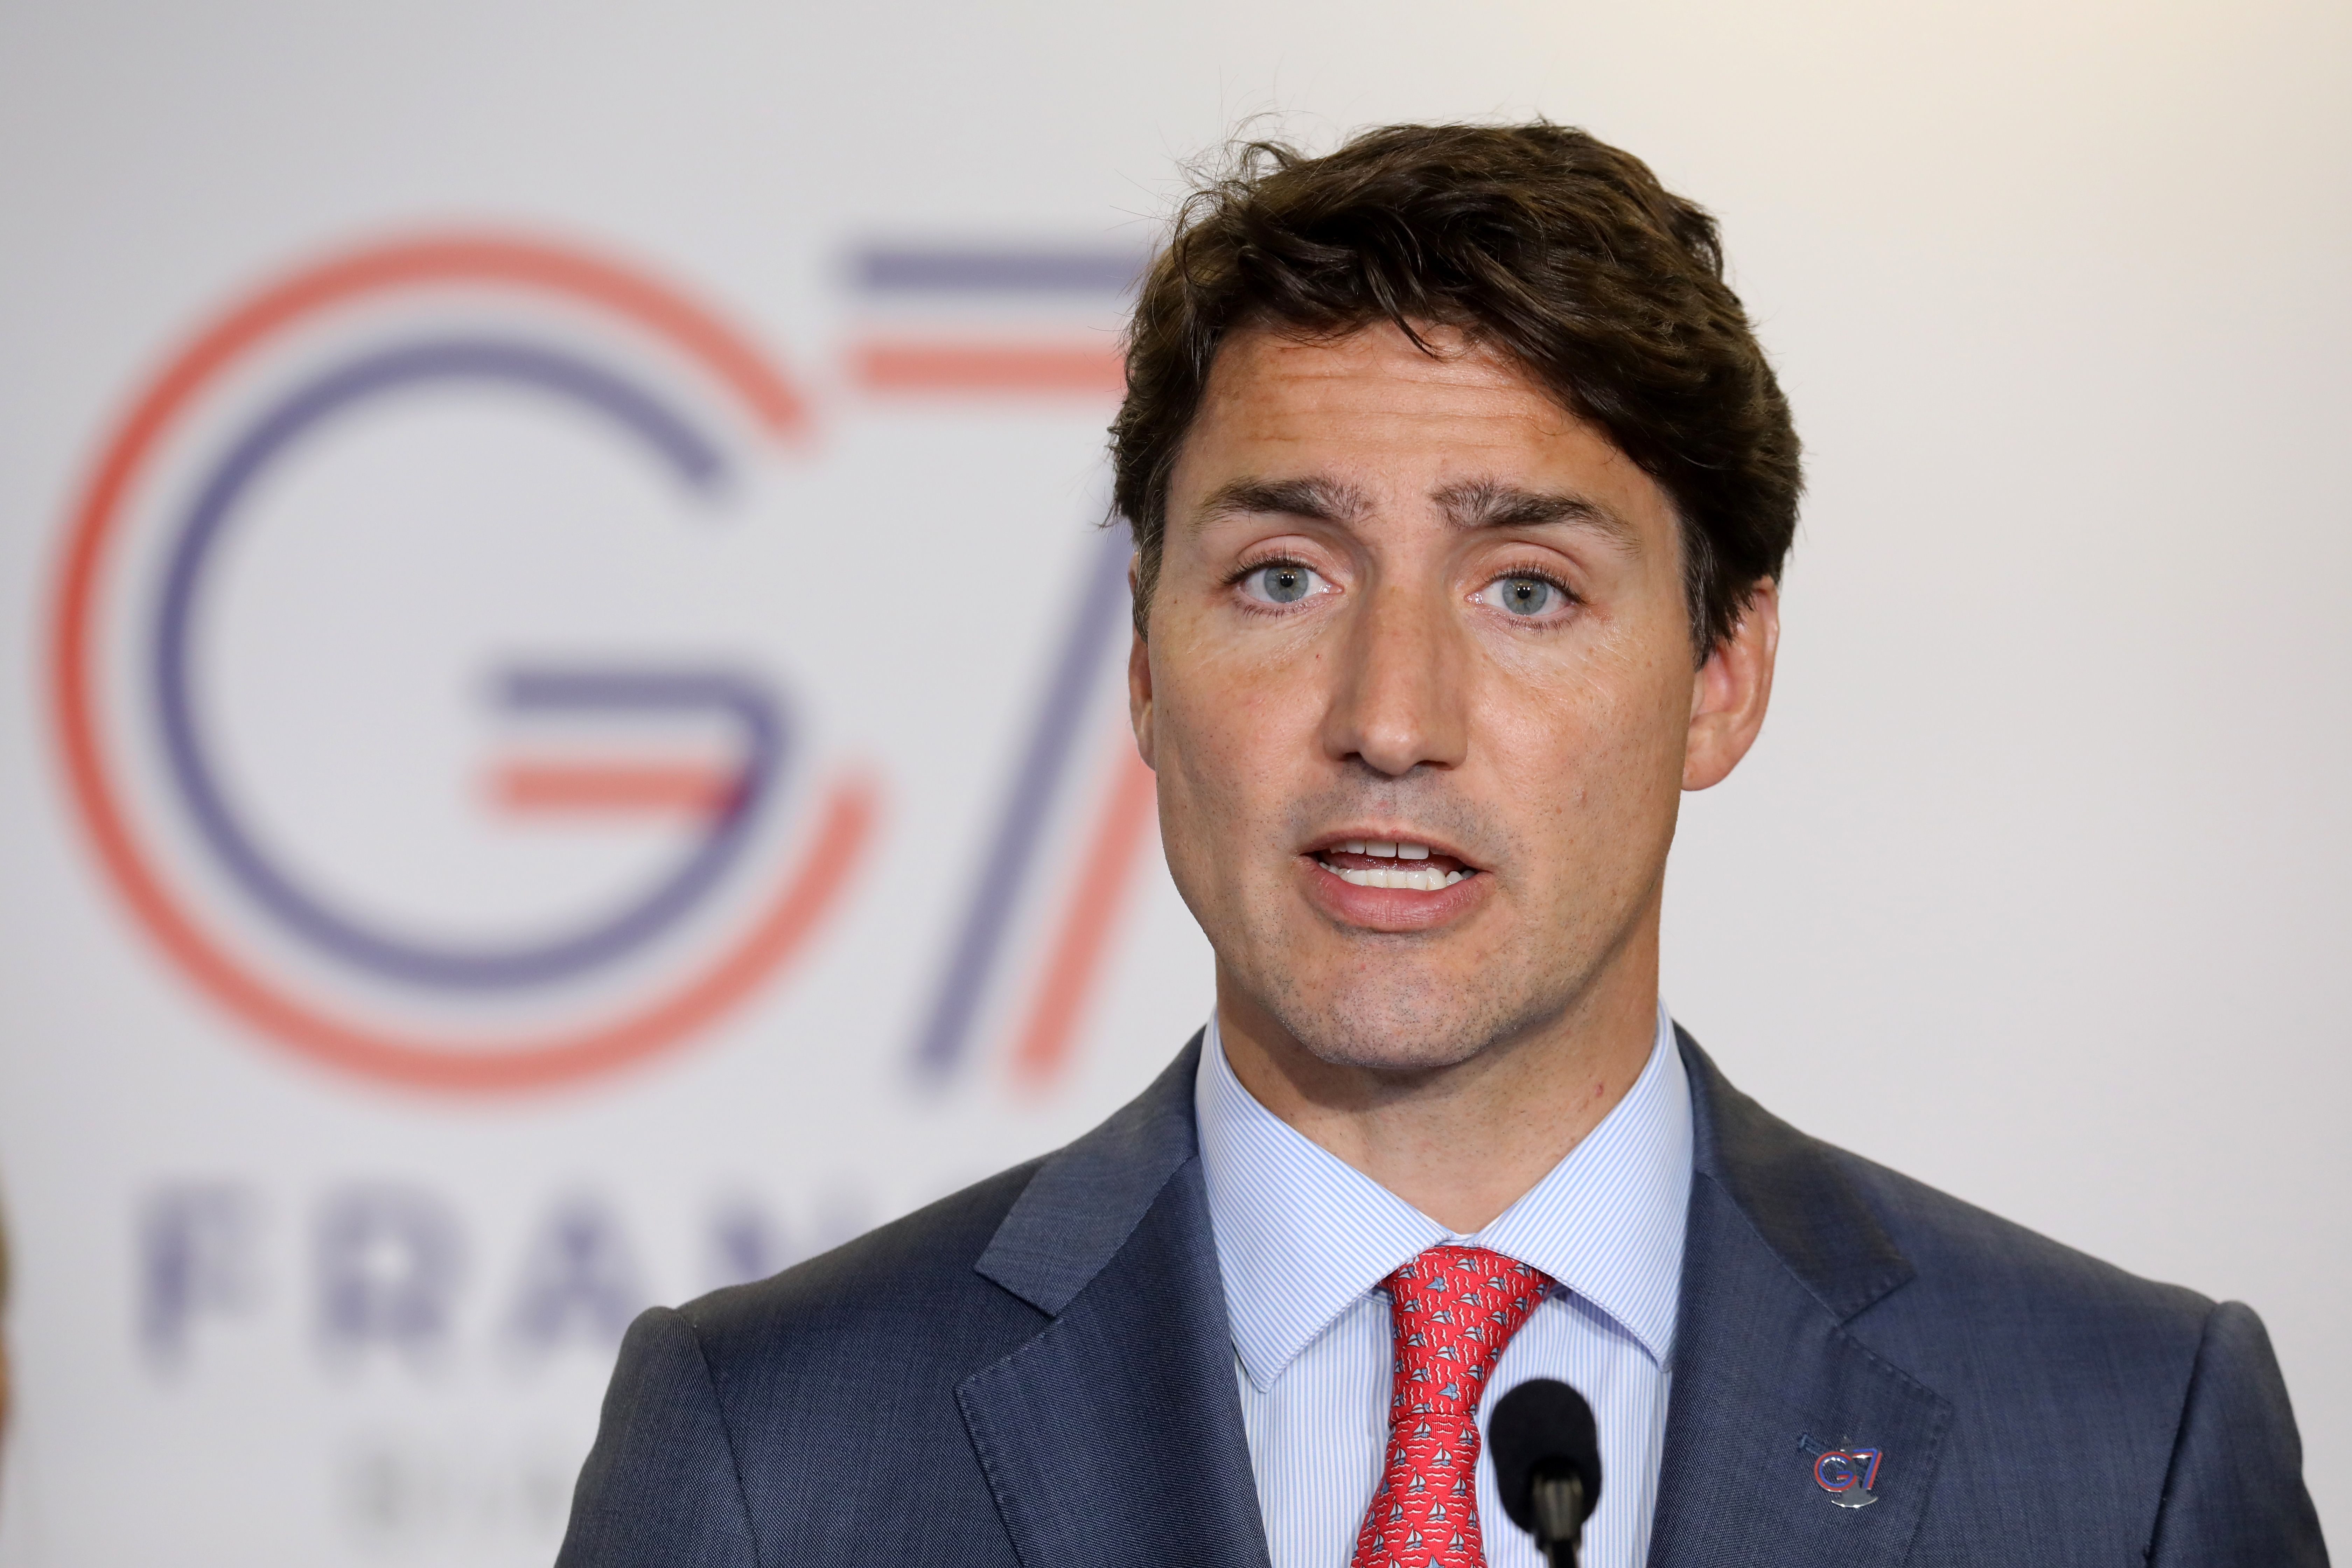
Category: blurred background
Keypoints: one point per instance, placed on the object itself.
(560, 734)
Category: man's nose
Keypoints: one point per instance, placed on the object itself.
(1399, 702)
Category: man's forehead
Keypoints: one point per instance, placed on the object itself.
(1267, 371)
(1325, 426)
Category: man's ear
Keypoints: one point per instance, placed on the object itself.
(1731, 690)
(1138, 672)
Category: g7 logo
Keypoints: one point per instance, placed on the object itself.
(649, 942)
(1848, 1474)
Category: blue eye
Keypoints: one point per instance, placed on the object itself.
(1283, 582)
(1522, 596)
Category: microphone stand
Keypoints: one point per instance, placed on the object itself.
(1560, 1517)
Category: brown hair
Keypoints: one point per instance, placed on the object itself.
(1553, 246)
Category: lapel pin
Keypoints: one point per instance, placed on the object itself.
(1848, 1474)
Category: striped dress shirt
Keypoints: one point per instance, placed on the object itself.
(1303, 1240)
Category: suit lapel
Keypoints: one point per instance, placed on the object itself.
(1782, 1253)
(1115, 1436)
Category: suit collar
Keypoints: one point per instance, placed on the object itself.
(1113, 1437)
(1781, 1255)
(1802, 1204)
(1087, 1199)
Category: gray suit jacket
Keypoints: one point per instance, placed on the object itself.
(1036, 1372)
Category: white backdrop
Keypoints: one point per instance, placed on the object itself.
(757, 350)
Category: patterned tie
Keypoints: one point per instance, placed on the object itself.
(1454, 1309)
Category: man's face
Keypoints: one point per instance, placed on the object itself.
(1416, 625)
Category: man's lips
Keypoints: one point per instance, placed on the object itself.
(1401, 861)
(1397, 884)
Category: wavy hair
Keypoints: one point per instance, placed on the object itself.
(1540, 240)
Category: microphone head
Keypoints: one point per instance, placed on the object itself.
(1542, 1426)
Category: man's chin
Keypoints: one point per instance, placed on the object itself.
(1408, 1032)
(1401, 1059)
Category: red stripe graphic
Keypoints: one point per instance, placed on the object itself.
(1076, 960)
(548, 786)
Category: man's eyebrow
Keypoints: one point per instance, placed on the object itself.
(1486, 504)
(1314, 498)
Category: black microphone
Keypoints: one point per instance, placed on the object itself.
(1546, 1464)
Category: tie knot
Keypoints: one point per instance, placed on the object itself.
(1454, 1309)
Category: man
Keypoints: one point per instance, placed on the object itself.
(1459, 490)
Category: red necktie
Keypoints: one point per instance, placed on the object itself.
(1454, 1309)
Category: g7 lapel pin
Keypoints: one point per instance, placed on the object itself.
(1848, 1474)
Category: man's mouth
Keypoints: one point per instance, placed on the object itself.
(1393, 863)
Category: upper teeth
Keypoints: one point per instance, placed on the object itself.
(1387, 848)
(1426, 879)
(1422, 879)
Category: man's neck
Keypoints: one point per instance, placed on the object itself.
(1460, 1143)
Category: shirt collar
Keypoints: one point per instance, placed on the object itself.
(1301, 1234)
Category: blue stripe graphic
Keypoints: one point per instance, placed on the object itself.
(1013, 851)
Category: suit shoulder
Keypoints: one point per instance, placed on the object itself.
(2036, 1348)
(1969, 1258)
(909, 1275)
(1856, 1218)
